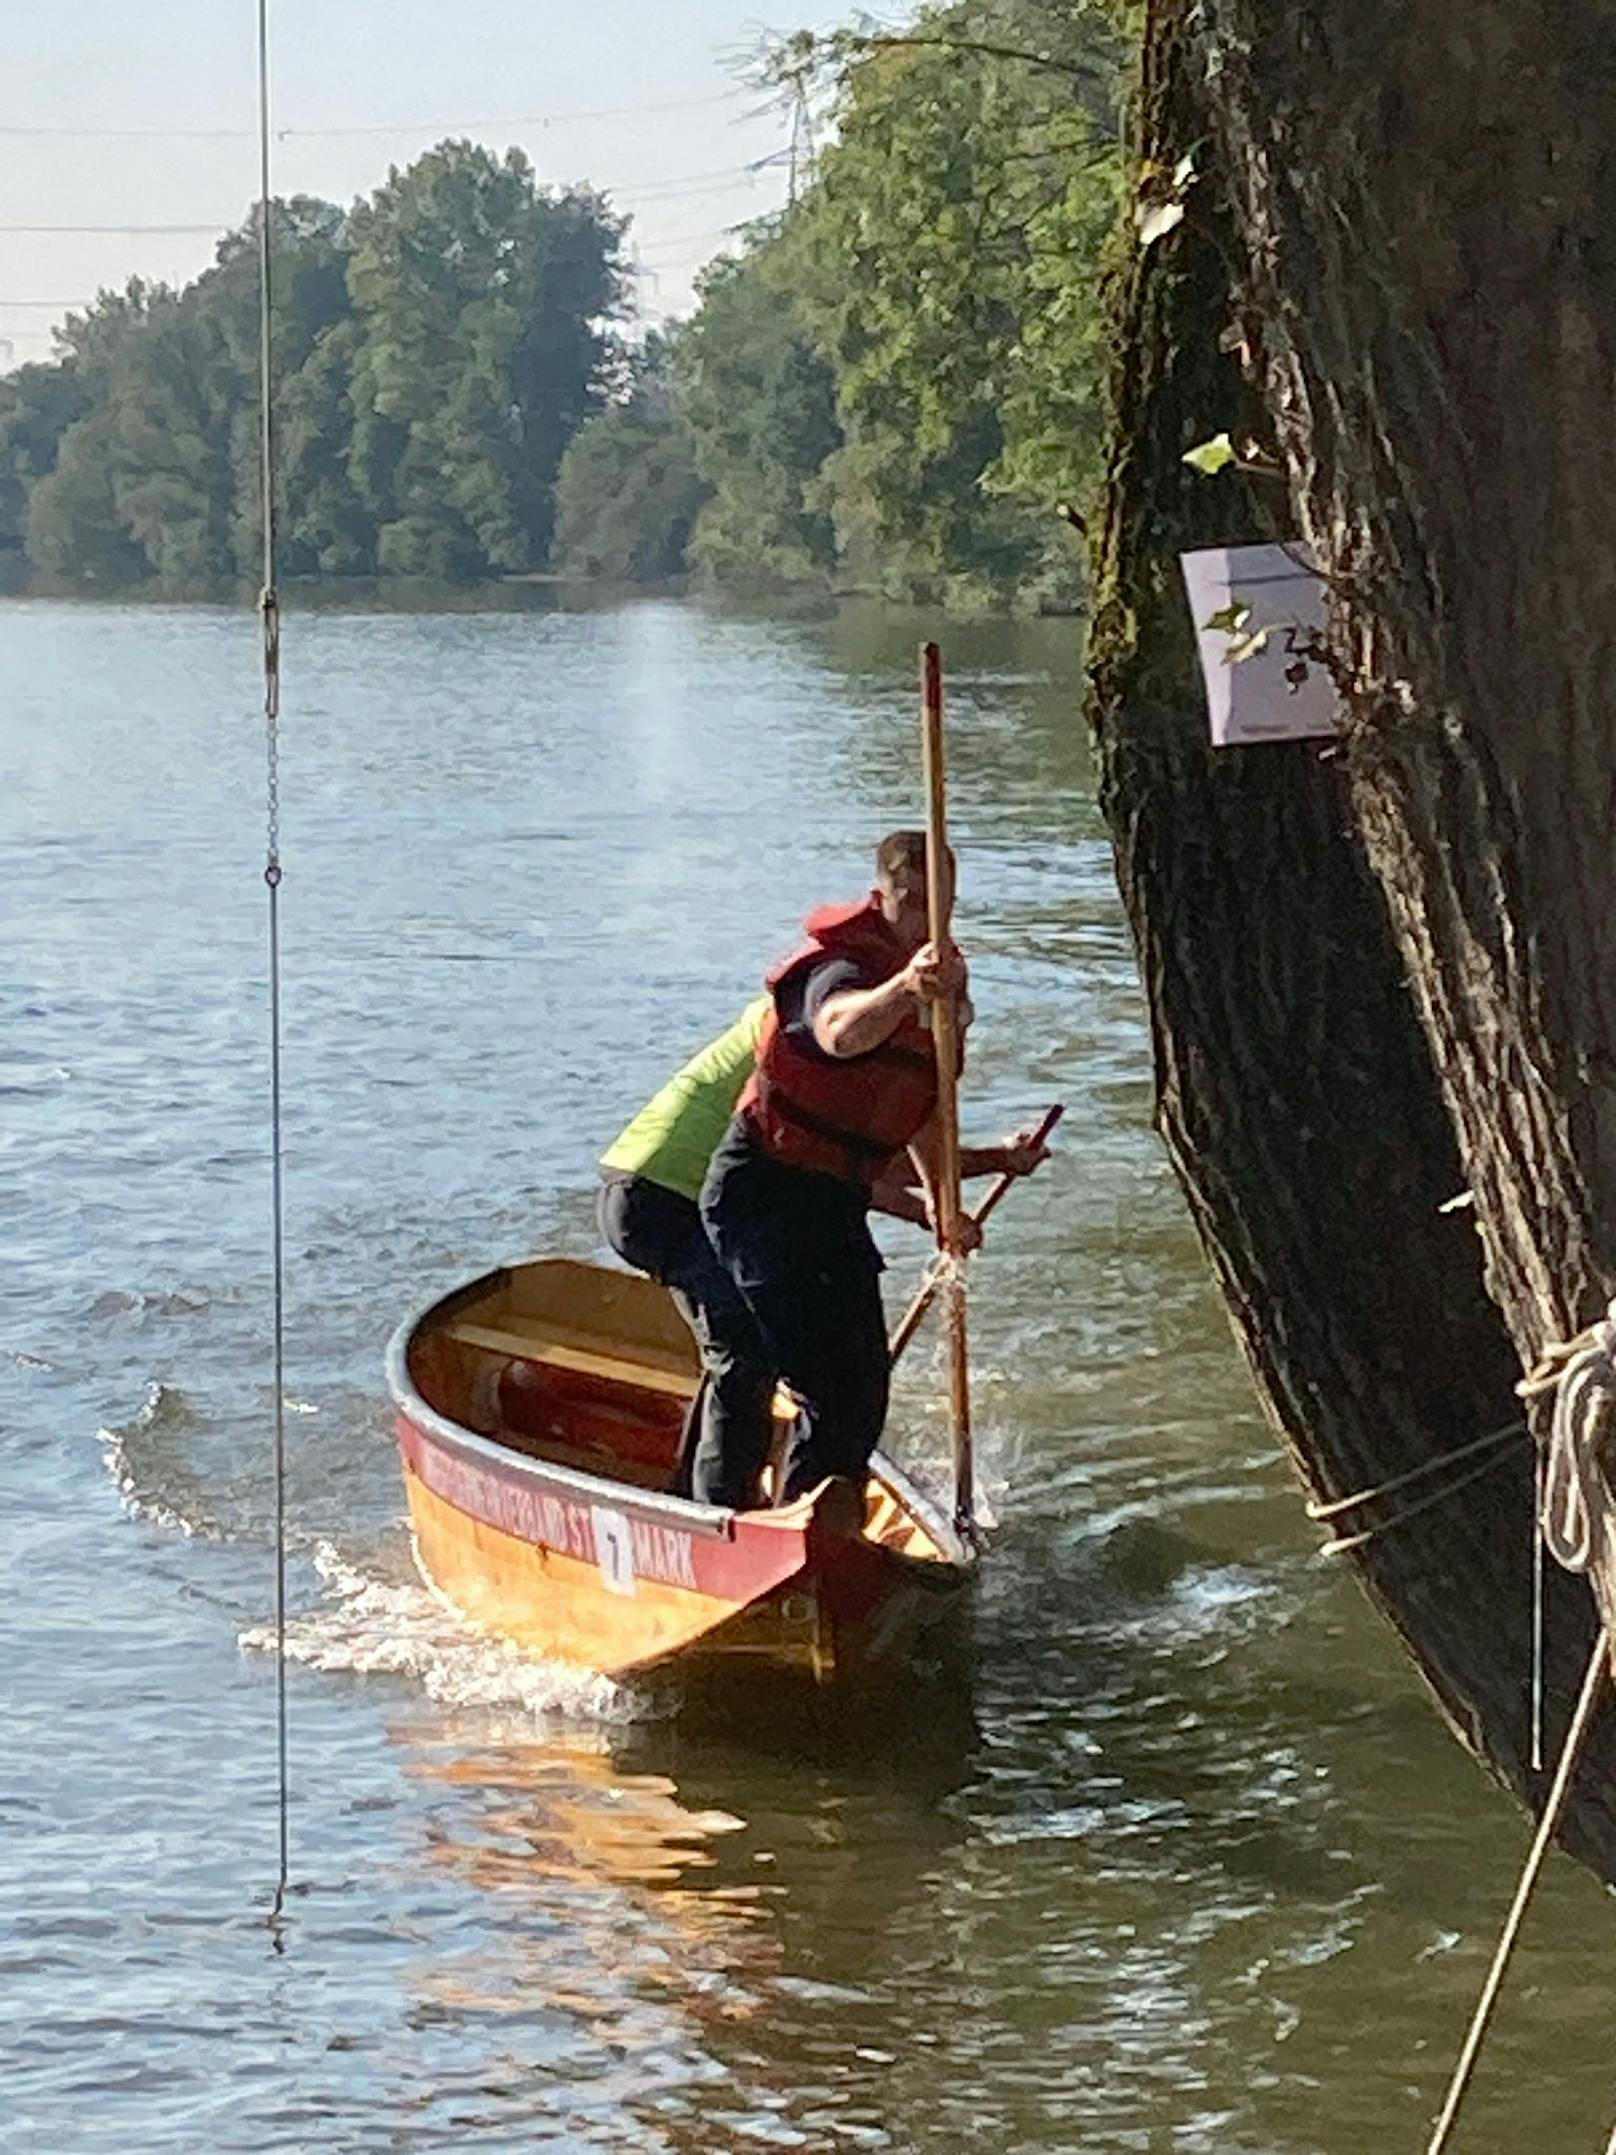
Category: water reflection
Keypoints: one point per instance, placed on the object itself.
(706, 1949)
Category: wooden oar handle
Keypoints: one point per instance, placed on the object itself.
(909, 1323)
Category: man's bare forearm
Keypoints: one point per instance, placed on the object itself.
(901, 1201)
(924, 1151)
(983, 1159)
(861, 1018)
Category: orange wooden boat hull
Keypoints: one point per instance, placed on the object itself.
(557, 1536)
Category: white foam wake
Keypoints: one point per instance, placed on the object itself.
(161, 1405)
(372, 1626)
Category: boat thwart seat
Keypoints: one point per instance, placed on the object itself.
(537, 1339)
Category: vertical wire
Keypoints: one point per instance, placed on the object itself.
(1539, 1588)
(269, 611)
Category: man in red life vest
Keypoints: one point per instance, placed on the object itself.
(846, 1081)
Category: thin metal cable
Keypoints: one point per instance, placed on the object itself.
(269, 613)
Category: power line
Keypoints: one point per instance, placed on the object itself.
(664, 190)
(677, 257)
(390, 127)
(668, 255)
(124, 230)
(670, 189)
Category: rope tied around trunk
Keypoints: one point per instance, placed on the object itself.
(1571, 1522)
(1575, 1500)
(1488, 1449)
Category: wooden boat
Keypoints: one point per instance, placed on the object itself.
(539, 1413)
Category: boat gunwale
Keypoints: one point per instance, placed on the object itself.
(955, 1557)
(707, 1519)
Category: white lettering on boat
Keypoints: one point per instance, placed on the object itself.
(662, 1552)
(644, 1548)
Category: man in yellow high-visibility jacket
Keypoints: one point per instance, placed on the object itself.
(651, 1177)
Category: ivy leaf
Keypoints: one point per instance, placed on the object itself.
(1243, 647)
(1212, 456)
(1157, 220)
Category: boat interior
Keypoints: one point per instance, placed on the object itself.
(592, 1369)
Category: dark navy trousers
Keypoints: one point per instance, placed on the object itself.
(797, 1246)
(729, 1426)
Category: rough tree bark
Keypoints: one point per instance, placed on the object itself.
(1296, 1089)
(1426, 197)
(1425, 193)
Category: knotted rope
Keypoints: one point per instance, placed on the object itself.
(1572, 1511)
(1582, 1375)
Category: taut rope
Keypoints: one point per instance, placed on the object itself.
(1570, 1753)
(1337, 1505)
(1491, 1445)
(1572, 1525)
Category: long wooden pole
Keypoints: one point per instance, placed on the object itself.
(998, 1190)
(945, 1042)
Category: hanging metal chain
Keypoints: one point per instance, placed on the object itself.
(270, 611)
(270, 617)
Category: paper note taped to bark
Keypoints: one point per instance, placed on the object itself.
(1251, 606)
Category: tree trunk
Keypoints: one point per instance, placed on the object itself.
(1434, 275)
(1295, 1087)
(1426, 196)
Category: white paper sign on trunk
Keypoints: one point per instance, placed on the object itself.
(1242, 591)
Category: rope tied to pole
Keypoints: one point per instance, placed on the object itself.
(269, 610)
(1573, 1489)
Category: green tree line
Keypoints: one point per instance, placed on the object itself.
(890, 387)
(435, 350)
(894, 386)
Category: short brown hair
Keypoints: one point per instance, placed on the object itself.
(901, 858)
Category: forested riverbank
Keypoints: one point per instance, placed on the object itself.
(890, 387)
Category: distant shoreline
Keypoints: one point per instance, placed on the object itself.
(409, 594)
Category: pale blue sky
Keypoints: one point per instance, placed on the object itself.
(422, 67)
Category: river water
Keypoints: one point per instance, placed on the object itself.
(1188, 1864)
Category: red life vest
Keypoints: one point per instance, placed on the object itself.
(841, 1115)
